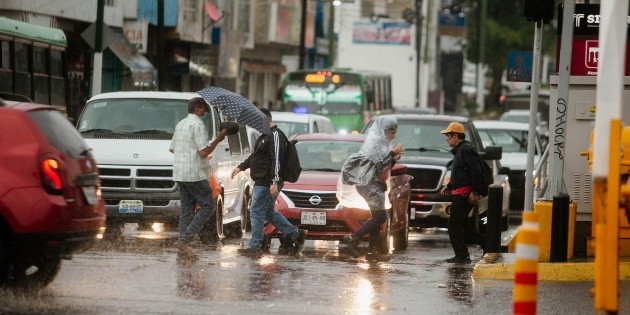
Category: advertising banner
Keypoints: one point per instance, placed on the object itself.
(381, 32)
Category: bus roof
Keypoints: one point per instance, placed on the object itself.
(32, 32)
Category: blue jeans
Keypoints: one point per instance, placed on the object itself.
(262, 210)
(191, 194)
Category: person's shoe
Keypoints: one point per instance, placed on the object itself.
(459, 260)
(352, 242)
(377, 257)
(186, 254)
(298, 244)
(250, 252)
(286, 245)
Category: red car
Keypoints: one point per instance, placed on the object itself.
(311, 202)
(50, 204)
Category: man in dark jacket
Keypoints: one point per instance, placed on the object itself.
(265, 164)
(464, 185)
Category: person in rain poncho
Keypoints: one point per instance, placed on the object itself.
(364, 181)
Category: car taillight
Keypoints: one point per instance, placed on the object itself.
(51, 175)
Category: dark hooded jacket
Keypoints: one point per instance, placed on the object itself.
(266, 160)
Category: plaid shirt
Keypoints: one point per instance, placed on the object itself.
(190, 137)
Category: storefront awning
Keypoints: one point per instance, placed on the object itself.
(143, 72)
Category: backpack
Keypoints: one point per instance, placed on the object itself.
(291, 168)
(487, 178)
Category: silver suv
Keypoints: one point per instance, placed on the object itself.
(428, 156)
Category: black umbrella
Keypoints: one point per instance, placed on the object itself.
(236, 107)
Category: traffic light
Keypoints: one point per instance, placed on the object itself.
(536, 10)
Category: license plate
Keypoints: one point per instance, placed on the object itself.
(313, 218)
(130, 206)
(90, 194)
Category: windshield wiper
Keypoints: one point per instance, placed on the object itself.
(152, 131)
(102, 130)
(425, 149)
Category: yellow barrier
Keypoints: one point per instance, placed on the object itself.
(526, 269)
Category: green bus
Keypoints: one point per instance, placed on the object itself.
(32, 62)
(348, 97)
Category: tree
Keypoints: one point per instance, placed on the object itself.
(506, 29)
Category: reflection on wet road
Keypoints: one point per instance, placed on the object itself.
(141, 275)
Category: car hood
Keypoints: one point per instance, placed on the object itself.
(427, 158)
(516, 161)
(314, 180)
(130, 152)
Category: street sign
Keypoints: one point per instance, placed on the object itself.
(89, 35)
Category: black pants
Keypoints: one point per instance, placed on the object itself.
(373, 226)
(460, 228)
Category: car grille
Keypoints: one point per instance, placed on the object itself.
(145, 202)
(302, 199)
(137, 179)
(331, 226)
(427, 179)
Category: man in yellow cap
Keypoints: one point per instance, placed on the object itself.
(464, 187)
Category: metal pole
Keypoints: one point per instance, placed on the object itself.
(331, 35)
(97, 65)
(481, 86)
(494, 225)
(161, 53)
(303, 35)
(533, 109)
(558, 111)
(559, 228)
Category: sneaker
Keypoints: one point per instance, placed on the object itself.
(352, 242)
(459, 260)
(250, 252)
(286, 245)
(186, 254)
(299, 242)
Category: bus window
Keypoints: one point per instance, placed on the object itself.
(22, 72)
(6, 72)
(57, 78)
(40, 76)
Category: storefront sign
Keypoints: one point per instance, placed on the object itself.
(136, 32)
(381, 32)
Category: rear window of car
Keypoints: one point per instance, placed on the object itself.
(59, 131)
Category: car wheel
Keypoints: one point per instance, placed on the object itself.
(384, 247)
(238, 229)
(4, 264)
(114, 231)
(219, 216)
(30, 275)
(401, 238)
(245, 226)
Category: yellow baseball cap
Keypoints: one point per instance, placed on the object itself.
(454, 127)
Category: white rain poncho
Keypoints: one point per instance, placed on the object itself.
(364, 180)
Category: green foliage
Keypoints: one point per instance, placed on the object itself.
(506, 29)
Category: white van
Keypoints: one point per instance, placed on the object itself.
(129, 134)
(292, 123)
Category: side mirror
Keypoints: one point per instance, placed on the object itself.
(399, 169)
(232, 127)
(492, 153)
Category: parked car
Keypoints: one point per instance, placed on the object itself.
(522, 116)
(427, 157)
(311, 203)
(50, 198)
(293, 123)
(130, 133)
(513, 138)
(415, 110)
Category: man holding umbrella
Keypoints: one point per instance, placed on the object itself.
(190, 171)
(265, 164)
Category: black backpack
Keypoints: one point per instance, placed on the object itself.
(291, 168)
(487, 177)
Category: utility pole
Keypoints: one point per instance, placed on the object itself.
(331, 34)
(303, 35)
(97, 65)
(418, 20)
(161, 53)
(481, 85)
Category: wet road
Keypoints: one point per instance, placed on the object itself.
(141, 275)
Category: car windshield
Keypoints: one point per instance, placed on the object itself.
(290, 128)
(133, 116)
(325, 155)
(512, 141)
(516, 118)
(422, 136)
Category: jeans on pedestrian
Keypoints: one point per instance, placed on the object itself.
(191, 194)
(460, 228)
(261, 210)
